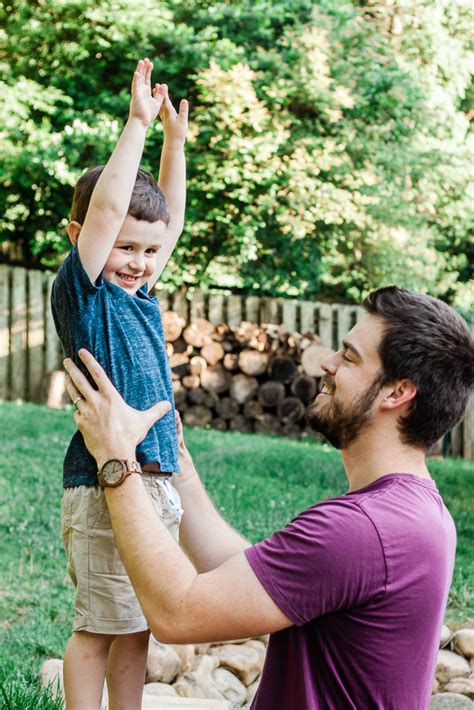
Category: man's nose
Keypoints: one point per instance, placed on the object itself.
(329, 364)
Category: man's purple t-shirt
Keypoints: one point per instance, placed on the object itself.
(364, 578)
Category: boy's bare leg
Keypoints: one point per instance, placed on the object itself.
(85, 663)
(126, 671)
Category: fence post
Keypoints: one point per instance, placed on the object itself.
(4, 330)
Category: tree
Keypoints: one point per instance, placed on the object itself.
(329, 143)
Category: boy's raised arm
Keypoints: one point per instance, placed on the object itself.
(111, 197)
(172, 178)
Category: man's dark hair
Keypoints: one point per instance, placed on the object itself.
(147, 202)
(428, 343)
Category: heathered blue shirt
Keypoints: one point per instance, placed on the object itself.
(125, 334)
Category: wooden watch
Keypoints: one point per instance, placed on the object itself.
(114, 472)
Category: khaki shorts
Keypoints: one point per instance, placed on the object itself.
(105, 599)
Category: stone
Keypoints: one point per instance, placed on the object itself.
(196, 685)
(205, 664)
(160, 690)
(201, 648)
(445, 637)
(464, 686)
(450, 665)
(163, 662)
(251, 690)
(229, 685)
(260, 647)
(186, 654)
(51, 674)
(451, 701)
(151, 703)
(464, 642)
(242, 660)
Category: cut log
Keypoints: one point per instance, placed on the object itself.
(219, 424)
(197, 396)
(252, 362)
(181, 346)
(267, 424)
(246, 332)
(212, 352)
(304, 388)
(253, 409)
(240, 423)
(216, 379)
(179, 393)
(291, 409)
(191, 382)
(282, 369)
(173, 325)
(231, 361)
(179, 363)
(243, 387)
(196, 365)
(227, 408)
(211, 400)
(197, 416)
(271, 393)
(312, 358)
(199, 332)
(292, 431)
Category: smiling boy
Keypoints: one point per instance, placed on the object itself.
(123, 228)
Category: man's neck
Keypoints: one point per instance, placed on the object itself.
(370, 457)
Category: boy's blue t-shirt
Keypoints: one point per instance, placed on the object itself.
(125, 334)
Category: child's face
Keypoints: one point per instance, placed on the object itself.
(133, 258)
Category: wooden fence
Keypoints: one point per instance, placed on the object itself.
(30, 349)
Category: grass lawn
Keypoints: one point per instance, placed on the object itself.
(258, 483)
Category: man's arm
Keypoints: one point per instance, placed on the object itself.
(172, 177)
(111, 196)
(180, 605)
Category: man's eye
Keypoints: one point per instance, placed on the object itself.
(126, 247)
(151, 251)
(347, 359)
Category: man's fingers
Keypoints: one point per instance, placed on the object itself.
(72, 390)
(77, 381)
(158, 411)
(97, 372)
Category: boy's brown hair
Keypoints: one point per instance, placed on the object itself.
(147, 202)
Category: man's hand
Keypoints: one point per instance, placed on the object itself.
(145, 104)
(110, 427)
(186, 464)
(175, 125)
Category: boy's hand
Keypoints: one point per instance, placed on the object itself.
(175, 125)
(145, 104)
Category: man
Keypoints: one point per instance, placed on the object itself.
(353, 590)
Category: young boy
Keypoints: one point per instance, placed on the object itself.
(123, 232)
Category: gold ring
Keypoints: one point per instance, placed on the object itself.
(77, 400)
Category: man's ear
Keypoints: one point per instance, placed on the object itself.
(399, 393)
(73, 231)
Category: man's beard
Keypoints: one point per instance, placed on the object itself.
(342, 424)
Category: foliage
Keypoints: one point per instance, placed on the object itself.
(329, 150)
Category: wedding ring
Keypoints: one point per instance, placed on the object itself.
(77, 400)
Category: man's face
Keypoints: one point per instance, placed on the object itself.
(133, 259)
(348, 401)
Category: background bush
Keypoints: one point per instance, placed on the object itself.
(329, 150)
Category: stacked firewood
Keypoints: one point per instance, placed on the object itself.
(248, 378)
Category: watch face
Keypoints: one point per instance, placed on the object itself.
(112, 472)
